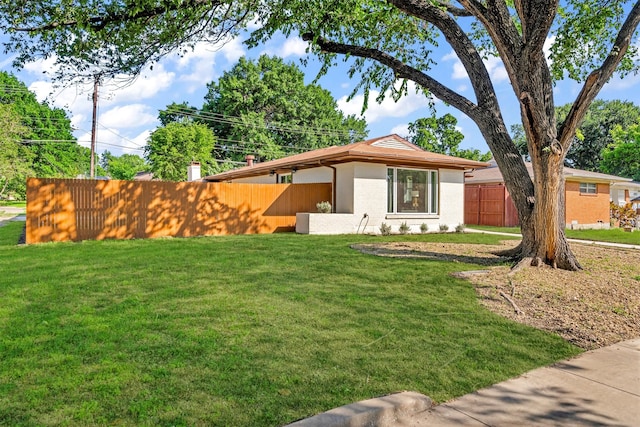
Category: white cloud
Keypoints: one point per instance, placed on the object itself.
(458, 69)
(7, 62)
(496, 69)
(147, 85)
(401, 130)
(200, 66)
(75, 98)
(546, 48)
(127, 116)
(494, 66)
(42, 66)
(293, 47)
(388, 108)
(116, 143)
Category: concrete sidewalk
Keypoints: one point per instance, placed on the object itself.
(10, 213)
(583, 242)
(597, 388)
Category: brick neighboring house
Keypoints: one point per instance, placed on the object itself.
(587, 195)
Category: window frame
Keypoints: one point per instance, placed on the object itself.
(432, 192)
(586, 187)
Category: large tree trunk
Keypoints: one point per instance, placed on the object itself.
(539, 202)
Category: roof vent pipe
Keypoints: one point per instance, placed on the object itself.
(250, 158)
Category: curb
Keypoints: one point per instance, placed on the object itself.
(377, 412)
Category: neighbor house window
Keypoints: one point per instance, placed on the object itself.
(285, 179)
(412, 191)
(588, 188)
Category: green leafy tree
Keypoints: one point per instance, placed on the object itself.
(264, 108)
(389, 44)
(49, 136)
(173, 147)
(594, 132)
(519, 139)
(622, 157)
(124, 167)
(439, 135)
(175, 112)
(15, 159)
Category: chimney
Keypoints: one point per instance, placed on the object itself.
(250, 158)
(193, 171)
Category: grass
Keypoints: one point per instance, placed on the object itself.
(17, 204)
(240, 330)
(613, 235)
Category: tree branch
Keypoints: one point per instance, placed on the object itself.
(401, 69)
(455, 11)
(462, 45)
(596, 80)
(541, 14)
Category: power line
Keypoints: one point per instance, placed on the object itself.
(276, 126)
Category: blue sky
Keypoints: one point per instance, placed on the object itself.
(127, 115)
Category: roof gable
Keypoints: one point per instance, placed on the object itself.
(394, 142)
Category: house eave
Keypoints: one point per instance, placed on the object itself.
(346, 157)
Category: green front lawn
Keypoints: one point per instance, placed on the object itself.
(17, 204)
(240, 330)
(613, 235)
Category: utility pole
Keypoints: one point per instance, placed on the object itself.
(96, 83)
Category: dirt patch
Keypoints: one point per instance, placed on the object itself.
(592, 308)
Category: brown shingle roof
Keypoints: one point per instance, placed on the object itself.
(390, 150)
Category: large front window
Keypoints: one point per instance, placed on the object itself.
(412, 191)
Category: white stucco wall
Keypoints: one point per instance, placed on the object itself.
(451, 197)
(312, 176)
(263, 179)
(344, 188)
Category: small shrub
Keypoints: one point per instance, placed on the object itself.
(459, 228)
(385, 229)
(444, 227)
(404, 228)
(323, 207)
(625, 215)
(424, 228)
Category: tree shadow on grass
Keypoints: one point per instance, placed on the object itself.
(445, 252)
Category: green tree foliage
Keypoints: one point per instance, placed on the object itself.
(520, 141)
(622, 157)
(124, 167)
(173, 147)
(439, 135)
(594, 132)
(264, 108)
(15, 158)
(175, 112)
(115, 36)
(49, 134)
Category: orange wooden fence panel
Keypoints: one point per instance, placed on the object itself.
(70, 209)
(489, 204)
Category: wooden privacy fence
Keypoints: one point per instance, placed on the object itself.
(70, 209)
(489, 205)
